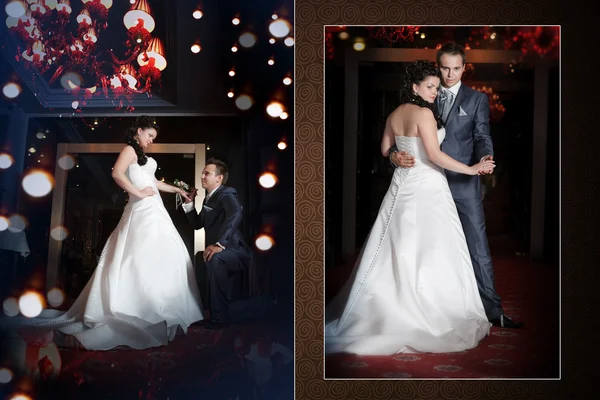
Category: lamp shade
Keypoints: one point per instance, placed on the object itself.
(155, 52)
(84, 17)
(128, 73)
(64, 6)
(139, 13)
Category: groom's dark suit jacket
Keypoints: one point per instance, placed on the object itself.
(221, 217)
(467, 139)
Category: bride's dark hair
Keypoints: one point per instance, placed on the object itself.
(143, 122)
(416, 72)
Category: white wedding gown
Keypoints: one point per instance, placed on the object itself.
(143, 288)
(413, 288)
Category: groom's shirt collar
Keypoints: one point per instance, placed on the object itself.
(211, 193)
(454, 89)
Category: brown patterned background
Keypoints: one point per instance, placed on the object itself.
(579, 259)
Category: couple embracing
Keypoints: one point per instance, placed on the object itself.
(424, 280)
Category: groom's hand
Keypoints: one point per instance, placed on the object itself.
(186, 196)
(487, 171)
(403, 159)
(211, 251)
(190, 197)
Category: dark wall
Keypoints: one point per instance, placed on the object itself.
(553, 190)
(334, 159)
(202, 80)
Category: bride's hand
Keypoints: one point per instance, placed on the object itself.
(483, 167)
(147, 191)
(184, 194)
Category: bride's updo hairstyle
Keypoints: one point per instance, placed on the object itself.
(415, 73)
(143, 122)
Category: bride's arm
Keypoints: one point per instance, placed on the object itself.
(126, 157)
(427, 127)
(165, 187)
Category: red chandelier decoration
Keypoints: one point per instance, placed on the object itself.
(329, 31)
(542, 40)
(485, 37)
(497, 109)
(395, 34)
(469, 72)
(77, 56)
(329, 45)
(41, 358)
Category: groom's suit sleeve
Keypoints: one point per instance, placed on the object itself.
(233, 217)
(482, 139)
(195, 218)
(393, 149)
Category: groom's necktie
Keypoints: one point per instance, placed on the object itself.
(446, 98)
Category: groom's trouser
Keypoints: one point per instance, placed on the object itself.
(472, 218)
(221, 271)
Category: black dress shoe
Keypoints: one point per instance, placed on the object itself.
(504, 322)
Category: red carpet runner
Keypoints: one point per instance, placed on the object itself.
(529, 293)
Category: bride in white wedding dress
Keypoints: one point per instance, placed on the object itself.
(144, 287)
(413, 288)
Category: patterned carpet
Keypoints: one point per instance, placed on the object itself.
(242, 361)
(529, 293)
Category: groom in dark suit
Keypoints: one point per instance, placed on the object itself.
(465, 113)
(226, 254)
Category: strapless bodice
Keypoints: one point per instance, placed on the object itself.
(414, 144)
(142, 175)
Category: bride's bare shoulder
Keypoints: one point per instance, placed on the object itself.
(405, 111)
